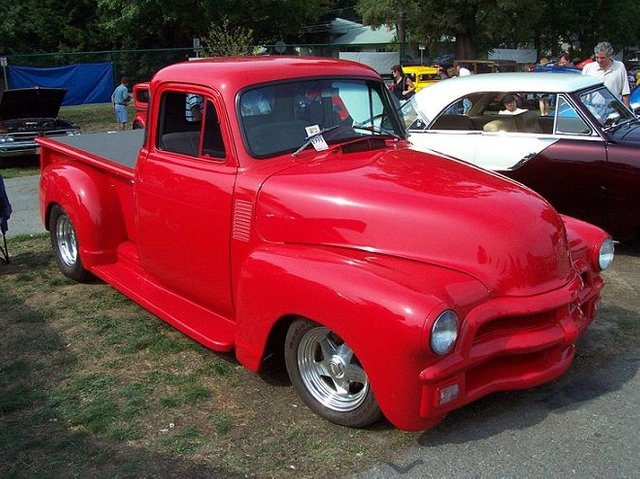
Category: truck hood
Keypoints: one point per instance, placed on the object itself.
(425, 208)
(31, 103)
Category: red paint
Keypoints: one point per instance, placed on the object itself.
(373, 245)
(141, 104)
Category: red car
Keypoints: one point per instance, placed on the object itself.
(291, 220)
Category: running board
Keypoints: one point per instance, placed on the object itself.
(206, 327)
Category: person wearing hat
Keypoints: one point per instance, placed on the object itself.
(511, 106)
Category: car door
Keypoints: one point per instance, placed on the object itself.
(568, 167)
(623, 189)
(184, 192)
(451, 133)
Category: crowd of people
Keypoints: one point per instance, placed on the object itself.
(602, 65)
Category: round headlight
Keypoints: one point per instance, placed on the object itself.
(606, 253)
(444, 332)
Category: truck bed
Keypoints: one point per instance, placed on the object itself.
(121, 147)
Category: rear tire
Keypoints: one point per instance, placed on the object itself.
(328, 376)
(65, 245)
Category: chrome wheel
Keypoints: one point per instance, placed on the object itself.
(330, 371)
(328, 376)
(65, 245)
(66, 240)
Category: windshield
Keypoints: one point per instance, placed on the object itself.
(606, 108)
(411, 117)
(275, 119)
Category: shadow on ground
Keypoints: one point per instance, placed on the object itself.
(33, 442)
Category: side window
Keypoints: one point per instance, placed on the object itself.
(189, 125)
(568, 121)
(212, 146)
(142, 95)
(456, 116)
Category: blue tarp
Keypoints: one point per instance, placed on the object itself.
(85, 83)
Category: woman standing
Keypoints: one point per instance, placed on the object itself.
(402, 86)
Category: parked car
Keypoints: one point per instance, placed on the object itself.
(28, 113)
(551, 68)
(634, 100)
(488, 66)
(422, 76)
(576, 144)
(141, 104)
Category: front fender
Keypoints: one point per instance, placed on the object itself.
(584, 240)
(91, 203)
(382, 307)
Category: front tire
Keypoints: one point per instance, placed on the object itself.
(328, 376)
(65, 245)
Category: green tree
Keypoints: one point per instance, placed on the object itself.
(40, 26)
(223, 40)
(583, 23)
(480, 25)
(174, 23)
(476, 25)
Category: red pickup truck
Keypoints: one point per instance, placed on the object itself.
(272, 207)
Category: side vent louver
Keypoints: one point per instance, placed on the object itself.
(242, 213)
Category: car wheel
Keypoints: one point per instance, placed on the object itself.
(137, 126)
(65, 245)
(328, 376)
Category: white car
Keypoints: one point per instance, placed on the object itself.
(567, 137)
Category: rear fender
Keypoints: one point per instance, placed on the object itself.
(92, 205)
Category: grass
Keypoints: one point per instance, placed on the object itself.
(93, 385)
(94, 118)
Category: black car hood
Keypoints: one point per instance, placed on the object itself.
(31, 103)
(626, 134)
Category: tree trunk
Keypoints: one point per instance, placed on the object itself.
(465, 50)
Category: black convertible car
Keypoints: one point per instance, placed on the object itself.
(28, 113)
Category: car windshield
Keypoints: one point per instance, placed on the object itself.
(411, 117)
(281, 118)
(606, 108)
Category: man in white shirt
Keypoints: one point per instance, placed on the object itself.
(611, 71)
(463, 71)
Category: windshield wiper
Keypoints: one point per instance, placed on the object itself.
(378, 129)
(310, 138)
